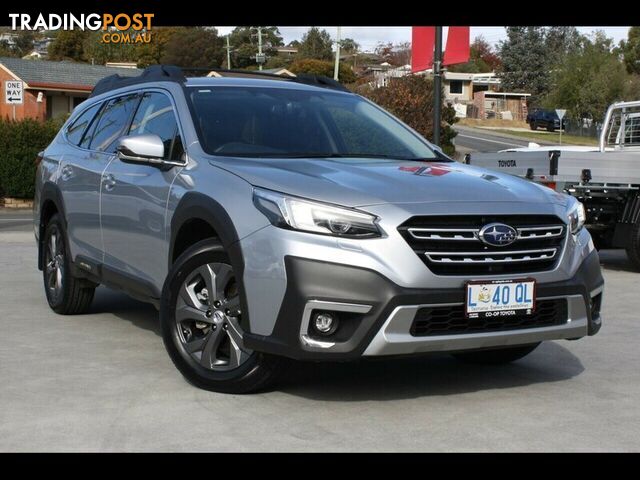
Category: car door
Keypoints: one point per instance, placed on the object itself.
(81, 172)
(134, 199)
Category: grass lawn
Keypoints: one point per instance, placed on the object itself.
(551, 137)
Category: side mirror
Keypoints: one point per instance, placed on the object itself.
(145, 149)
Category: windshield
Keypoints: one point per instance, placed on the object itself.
(279, 122)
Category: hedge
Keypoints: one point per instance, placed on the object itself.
(20, 142)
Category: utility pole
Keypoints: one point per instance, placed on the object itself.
(260, 48)
(336, 68)
(437, 86)
(228, 54)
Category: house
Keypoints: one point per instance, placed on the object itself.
(503, 105)
(287, 51)
(52, 89)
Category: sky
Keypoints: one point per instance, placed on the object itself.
(368, 37)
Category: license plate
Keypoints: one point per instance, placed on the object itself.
(501, 298)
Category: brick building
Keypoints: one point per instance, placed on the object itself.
(51, 89)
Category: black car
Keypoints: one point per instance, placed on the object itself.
(545, 118)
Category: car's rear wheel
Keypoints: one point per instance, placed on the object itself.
(497, 356)
(65, 293)
(203, 324)
(533, 125)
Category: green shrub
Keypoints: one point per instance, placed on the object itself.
(322, 67)
(20, 142)
(410, 99)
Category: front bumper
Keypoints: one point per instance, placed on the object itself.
(385, 312)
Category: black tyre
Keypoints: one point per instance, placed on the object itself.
(203, 324)
(497, 356)
(551, 128)
(532, 125)
(633, 251)
(65, 293)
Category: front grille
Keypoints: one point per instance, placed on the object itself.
(450, 245)
(451, 320)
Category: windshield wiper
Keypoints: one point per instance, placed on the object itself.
(345, 155)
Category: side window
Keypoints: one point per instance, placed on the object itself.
(155, 116)
(78, 127)
(112, 123)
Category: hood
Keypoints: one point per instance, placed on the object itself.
(359, 182)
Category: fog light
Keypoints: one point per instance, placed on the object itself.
(325, 323)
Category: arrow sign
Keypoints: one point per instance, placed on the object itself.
(13, 92)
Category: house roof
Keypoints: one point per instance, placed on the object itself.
(64, 74)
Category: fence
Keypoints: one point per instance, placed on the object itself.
(583, 128)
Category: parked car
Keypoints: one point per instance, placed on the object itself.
(605, 178)
(271, 219)
(547, 119)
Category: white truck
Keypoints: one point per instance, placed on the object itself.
(605, 178)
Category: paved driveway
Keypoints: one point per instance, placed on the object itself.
(103, 382)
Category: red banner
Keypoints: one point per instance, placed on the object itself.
(422, 42)
(457, 50)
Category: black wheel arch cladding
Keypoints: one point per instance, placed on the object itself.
(194, 205)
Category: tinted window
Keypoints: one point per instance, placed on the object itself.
(272, 122)
(113, 122)
(77, 128)
(155, 116)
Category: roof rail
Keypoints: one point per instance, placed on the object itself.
(154, 73)
(171, 73)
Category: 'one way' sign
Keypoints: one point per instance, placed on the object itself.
(13, 92)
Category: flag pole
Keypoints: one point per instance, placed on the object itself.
(437, 86)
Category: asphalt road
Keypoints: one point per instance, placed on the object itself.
(475, 139)
(103, 382)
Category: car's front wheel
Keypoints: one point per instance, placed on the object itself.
(203, 324)
(497, 356)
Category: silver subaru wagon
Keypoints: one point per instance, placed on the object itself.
(271, 219)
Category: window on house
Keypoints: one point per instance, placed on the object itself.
(455, 86)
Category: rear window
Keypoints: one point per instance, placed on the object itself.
(280, 122)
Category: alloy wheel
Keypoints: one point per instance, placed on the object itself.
(208, 318)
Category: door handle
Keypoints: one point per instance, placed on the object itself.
(67, 172)
(109, 182)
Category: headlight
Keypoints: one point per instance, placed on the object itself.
(308, 216)
(576, 215)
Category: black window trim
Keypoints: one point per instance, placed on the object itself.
(137, 94)
(73, 119)
(167, 94)
(138, 91)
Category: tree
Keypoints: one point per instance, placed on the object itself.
(560, 42)
(590, 79)
(312, 66)
(410, 99)
(24, 43)
(194, 47)
(349, 45)
(152, 53)
(316, 44)
(244, 42)
(482, 58)
(395, 54)
(525, 66)
(631, 50)
(68, 45)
